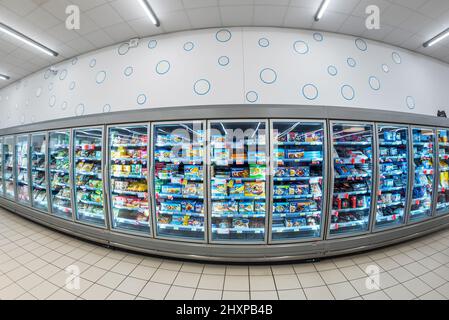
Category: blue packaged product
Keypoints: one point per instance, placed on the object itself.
(246, 207)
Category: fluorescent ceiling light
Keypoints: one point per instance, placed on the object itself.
(20, 36)
(321, 9)
(149, 11)
(3, 77)
(437, 38)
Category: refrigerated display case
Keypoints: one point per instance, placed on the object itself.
(59, 169)
(22, 173)
(424, 174)
(298, 176)
(8, 167)
(442, 205)
(38, 152)
(88, 176)
(1, 167)
(352, 178)
(392, 192)
(238, 181)
(179, 158)
(128, 185)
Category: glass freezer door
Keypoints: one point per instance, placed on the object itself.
(238, 152)
(22, 181)
(59, 166)
(1, 168)
(88, 176)
(8, 167)
(393, 174)
(443, 172)
(353, 178)
(298, 175)
(128, 146)
(424, 173)
(179, 157)
(39, 171)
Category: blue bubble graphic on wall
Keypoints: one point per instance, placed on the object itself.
(410, 102)
(50, 86)
(93, 63)
(63, 74)
(347, 92)
(202, 87)
(123, 49)
(396, 58)
(79, 110)
(268, 76)
(72, 85)
(351, 62)
(264, 42)
(318, 36)
(188, 46)
(223, 35)
(74, 61)
(38, 92)
(223, 61)
(361, 44)
(107, 108)
(252, 96)
(385, 68)
(141, 99)
(52, 101)
(300, 47)
(128, 71)
(64, 105)
(332, 70)
(163, 67)
(374, 83)
(310, 91)
(101, 77)
(152, 44)
(47, 74)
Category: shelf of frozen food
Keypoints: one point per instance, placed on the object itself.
(130, 145)
(238, 215)
(140, 209)
(335, 211)
(316, 179)
(295, 229)
(301, 196)
(180, 227)
(392, 143)
(345, 194)
(352, 176)
(317, 160)
(352, 143)
(130, 176)
(87, 159)
(342, 225)
(178, 196)
(297, 214)
(131, 221)
(129, 159)
(237, 230)
(39, 186)
(392, 204)
(237, 198)
(388, 189)
(90, 174)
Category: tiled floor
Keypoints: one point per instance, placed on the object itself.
(33, 263)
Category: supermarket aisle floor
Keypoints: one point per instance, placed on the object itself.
(33, 262)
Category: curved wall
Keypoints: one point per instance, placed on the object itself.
(231, 66)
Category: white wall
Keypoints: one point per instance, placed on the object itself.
(232, 66)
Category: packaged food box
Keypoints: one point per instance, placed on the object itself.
(302, 171)
(281, 172)
(193, 172)
(162, 154)
(281, 190)
(171, 207)
(279, 153)
(295, 153)
(259, 207)
(190, 189)
(302, 206)
(257, 172)
(298, 189)
(171, 189)
(239, 173)
(219, 188)
(177, 220)
(297, 222)
(254, 189)
(188, 206)
(246, 207)
(240, 223)
(237, 189)
(295, 137)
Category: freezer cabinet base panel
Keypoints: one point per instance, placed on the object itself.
(231, 253)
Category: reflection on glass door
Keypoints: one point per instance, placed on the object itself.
(22, 181)
(443, 172)
(9, 172)
(393, 171)
(298, 175)
(353, 178)
(88, 175)
(1, 168)
(59, 166)
(424, 173)
(38, 171)
(179, 156)
(128, 146)
(238, 152)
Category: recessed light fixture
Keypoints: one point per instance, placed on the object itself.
(149, 11)
(3, 77)
(437, 38)
(321, 9)
(20, 36)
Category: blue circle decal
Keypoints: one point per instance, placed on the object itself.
(347, 92)
(93, 63)
(202, 87)
(188, 46)
(301, 47)
(410, 101)
(141, 99)
(106, 108)
(163, 67)
(152, 44)
(74, 61)
(332, 70)
(223, 61)
(310, 91)
(101, 77)
(63, 74)
(252, 96)
(128, 71)
(268, 76)
(318, 36)
(351, 62)
(385, 68)
(361, 44)
(374, 83)
(79, 111)
(52, 101)
(72, 85)
(123, 49)
(64, 105)
(396, 58)
(264, 42)
(223, 35)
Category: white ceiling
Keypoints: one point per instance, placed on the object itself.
(404, 23)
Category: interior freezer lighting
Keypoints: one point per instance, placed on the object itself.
(322, 9)
(437, 38)
(20, 36)
(3, 77)
(149, 11)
